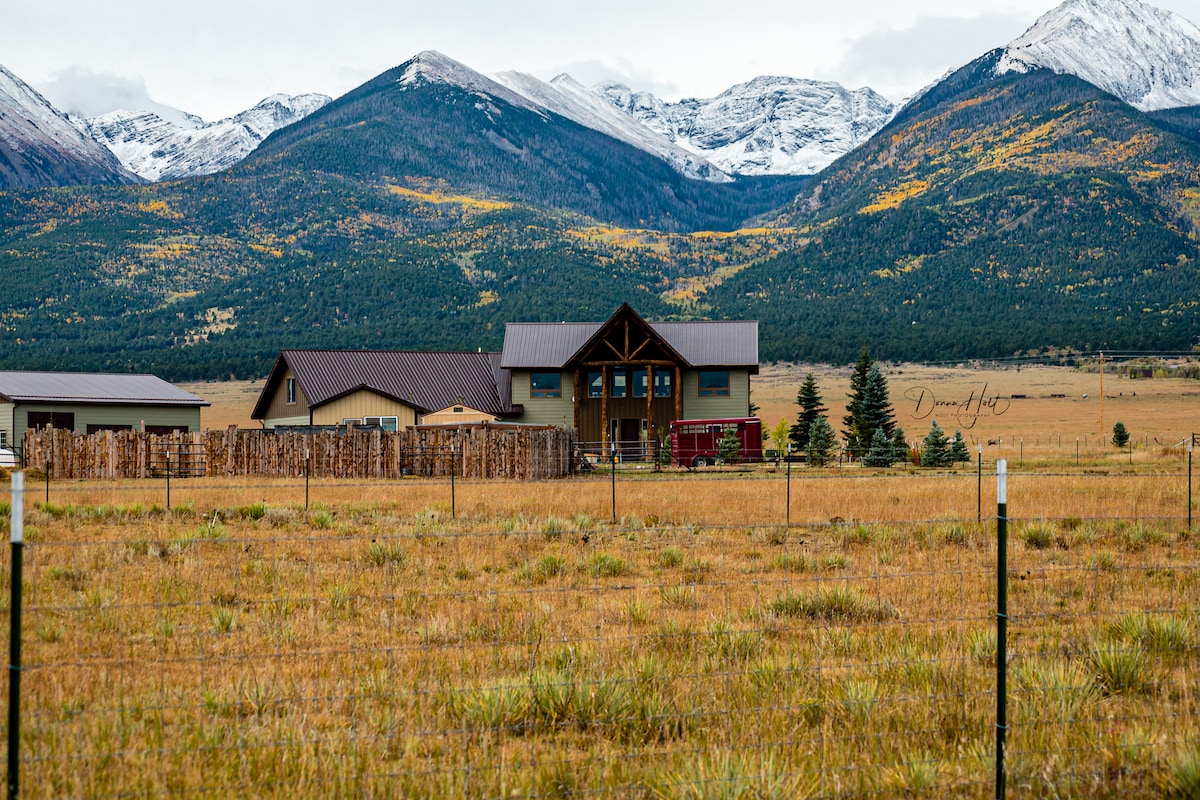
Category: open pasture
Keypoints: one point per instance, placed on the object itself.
(530, 646)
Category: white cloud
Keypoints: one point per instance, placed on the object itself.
(87, 93)
(897, 62)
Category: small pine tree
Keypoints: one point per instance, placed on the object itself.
(730, 447)
(900, 449)
(822, 443)
(1120, 435)
(809, 400)
(882, 452)
(936, 448)
(959, 453)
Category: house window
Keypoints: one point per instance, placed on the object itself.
(387, 423)
(291, 390)
(619, 385)
(640, 381)
(545, 384)
(51, 419)
(3, 438)
(662, 384)
(595, 384)
(714, 383)
(458, 410)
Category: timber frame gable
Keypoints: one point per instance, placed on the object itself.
(626, 369)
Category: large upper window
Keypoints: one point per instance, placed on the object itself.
(595, 384)
(620, 385)
(545, 384)
(291, 391)
(662, 383)
(714, 383)
(639, 379)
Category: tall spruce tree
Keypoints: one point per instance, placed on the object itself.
(852, 423)
(876, 407)
(809, 400)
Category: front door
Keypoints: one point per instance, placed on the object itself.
(629, 439)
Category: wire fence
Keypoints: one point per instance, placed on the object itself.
(524, 644)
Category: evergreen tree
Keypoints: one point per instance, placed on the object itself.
(730, 447)
(852, 423)
(822, 443)
(876, 407)
(1120, 435)
(958, 449)
(936, 448)
(882, 452)
(809, 400)
(900, 449)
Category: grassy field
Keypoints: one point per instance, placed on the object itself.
(538, 640)
(529, 646)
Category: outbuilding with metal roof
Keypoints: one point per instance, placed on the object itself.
(90, 402)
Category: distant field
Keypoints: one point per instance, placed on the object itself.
(1155, 411)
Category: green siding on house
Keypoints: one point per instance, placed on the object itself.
(90, 414)
(544, 410)
(6, 425)
(737, 404)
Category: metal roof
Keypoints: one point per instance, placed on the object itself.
(426, 381)
(95, 388)
(529, 345)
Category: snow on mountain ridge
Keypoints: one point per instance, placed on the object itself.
(1147, 56)
(770, 125)
(159, 149)
(44, 144)
(568, 98)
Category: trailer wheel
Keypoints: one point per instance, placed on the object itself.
(700, 461)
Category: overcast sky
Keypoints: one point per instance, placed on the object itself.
(220, 57)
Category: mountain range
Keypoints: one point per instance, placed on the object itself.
(1021, 203)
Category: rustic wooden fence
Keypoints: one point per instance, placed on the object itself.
(483, 451)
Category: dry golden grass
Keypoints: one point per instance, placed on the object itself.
(375, 646)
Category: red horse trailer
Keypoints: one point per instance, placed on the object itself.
(694, 442)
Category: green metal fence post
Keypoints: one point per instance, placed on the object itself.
(17, 529)
(1001, 620)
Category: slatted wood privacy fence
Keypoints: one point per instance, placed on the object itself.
(482, 451)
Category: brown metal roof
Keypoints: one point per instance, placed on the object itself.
(529, 345)
(427, 381)
(93, 388)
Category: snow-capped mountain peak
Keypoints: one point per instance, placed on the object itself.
(162, 149)
(1147, 56)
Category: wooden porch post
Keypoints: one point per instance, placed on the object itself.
(678, 393)
(604, 409)
(650, 437)
(577, 399)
